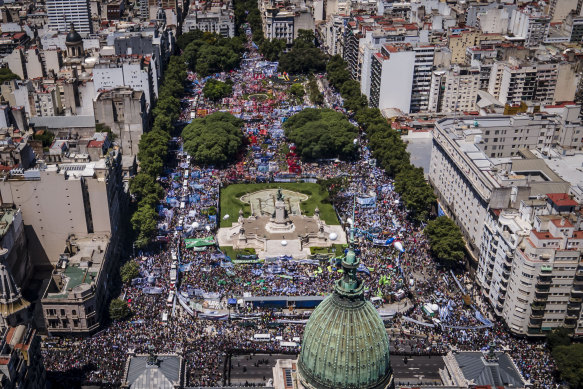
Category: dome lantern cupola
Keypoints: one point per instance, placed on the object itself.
(74, 43)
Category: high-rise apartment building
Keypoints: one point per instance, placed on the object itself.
(401, 77)
(513, 82)
(529, 25)
(62, 13)
(454, 90)
(529, 266)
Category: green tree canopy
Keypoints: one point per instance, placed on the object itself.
(7, 75)
(322, 133)
(559, 337)
(272, 48)
(210, 53)
(145, 223)
(416, 194)
(216, 90)
(214, 139)
(168, 106)
(337, 71)
(297, 90)
(304, 57)
(446, 241)
(118, 309)
(129, 271)
(145, 188)
(45, 136)
(569, 361)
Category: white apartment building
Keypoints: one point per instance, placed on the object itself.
(530, 265)
(513, 82)
(219, 20)
(401, 77)
(332, 34)
(474, 166)
(454, 90)
(495, 19)
(62, 13)
(503, 232)
(529, 25)
(372, 42)
(283, 20)
(392, 78)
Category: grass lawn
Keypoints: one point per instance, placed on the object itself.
(228, 250)
(230, 203)
(328, 250)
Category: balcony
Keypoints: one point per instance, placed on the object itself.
(537, 307)
(541, 299)
(541, 289)
(575, 299)
(544, 280)
(576, 292)
(535, 325)
(546, 268)
(536, 316)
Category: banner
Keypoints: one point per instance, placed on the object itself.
(246, 261)
(153, 290)
(367, 201)
(202, 242)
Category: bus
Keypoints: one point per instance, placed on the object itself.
(170, 300)
(262, 337)
(174, 272)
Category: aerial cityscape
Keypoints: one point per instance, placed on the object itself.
(288, 194)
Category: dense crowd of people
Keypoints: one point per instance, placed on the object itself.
(208, 281)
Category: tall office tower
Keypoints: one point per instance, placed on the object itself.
(64, 12)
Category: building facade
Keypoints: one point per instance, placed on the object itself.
(123, 110)
(63, 199)
(78, 291)
(62, 13)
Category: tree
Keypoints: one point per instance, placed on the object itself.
(304, 57)
(559, 337)
(7, 75)
(271, 49)
(416, 194)
(168, 106)
(145, 188)
(45, 136)
(446, 241)
(118, 309)
(297, 90)
(337, 71)
(162, 123)
(216, 90)
(129, 271)
(569, 361)
(214, 140)
(322, 133)
(145, 223)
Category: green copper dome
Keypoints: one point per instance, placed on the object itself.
(345, 344)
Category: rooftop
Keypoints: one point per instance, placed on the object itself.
(78, 267)
(561, 200)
